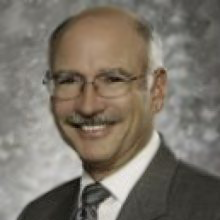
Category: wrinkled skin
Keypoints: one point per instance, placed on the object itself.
(90, 45)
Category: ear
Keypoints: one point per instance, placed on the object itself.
(158, 90)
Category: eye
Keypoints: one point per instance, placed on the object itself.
(113, 79)
(68, 79)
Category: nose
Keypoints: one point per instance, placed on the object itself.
(89, 103)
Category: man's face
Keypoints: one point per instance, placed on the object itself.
(89, 48)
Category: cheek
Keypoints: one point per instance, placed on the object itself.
(132, 110)
(139, 104)
(141, 112)
(123, 107)
(61, 108)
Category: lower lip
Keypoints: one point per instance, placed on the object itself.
(94, 134)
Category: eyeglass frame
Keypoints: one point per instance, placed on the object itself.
(50, 76)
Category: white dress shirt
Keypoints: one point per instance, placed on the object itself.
(122, 181)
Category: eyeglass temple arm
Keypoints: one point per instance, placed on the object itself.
(47, 77)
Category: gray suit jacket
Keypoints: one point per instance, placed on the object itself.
(168, 190)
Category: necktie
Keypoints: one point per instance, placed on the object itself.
(92, 196)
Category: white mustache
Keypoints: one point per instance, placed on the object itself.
(78, 120)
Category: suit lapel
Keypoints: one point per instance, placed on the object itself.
(67, 207)
(148, 198)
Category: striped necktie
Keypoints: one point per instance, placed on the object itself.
(92, 196)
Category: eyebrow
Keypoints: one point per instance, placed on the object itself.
(119, 70)
(104, 71)
(64, 72)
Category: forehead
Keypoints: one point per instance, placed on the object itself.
(95, 43)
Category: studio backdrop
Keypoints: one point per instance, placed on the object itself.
(33, 158)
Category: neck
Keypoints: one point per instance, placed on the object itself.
(98, 173)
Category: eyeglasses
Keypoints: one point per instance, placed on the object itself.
(70, 85)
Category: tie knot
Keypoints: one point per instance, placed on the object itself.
(94, 194)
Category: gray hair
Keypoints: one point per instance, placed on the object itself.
(153, 46)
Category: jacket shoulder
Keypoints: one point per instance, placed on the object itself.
(197, 179)
(45, 204)
(196, 192)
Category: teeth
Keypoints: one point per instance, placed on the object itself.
(93, 128)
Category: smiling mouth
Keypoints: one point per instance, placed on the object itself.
(94, 127)
(92, 131)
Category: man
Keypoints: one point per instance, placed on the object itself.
(107, 82)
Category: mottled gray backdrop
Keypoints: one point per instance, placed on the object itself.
(33, 158)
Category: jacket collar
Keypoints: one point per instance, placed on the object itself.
(67, 207)
(148, 198)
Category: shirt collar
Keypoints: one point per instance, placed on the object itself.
(122, 181)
